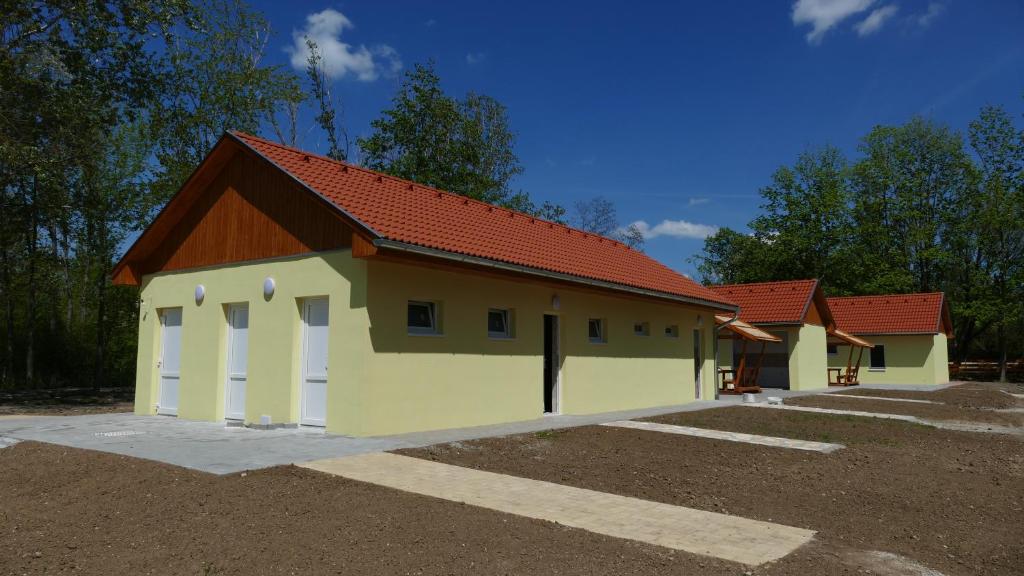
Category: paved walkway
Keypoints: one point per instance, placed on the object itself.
(886, 399)
(773, 441)
(750, 542)
(903, 417)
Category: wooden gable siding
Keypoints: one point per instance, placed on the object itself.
(813, 316)
(248, 212)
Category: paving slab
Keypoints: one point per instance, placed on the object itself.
(887, 399)
(750, 542)
(772, 441)
(5, 442)
(902, 417)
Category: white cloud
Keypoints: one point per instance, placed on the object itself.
(935, 9)
(822, 15)
(698, 201)
(475, 58)
(676, 229)
(874, 22)
(340, 59)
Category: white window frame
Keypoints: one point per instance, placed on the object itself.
(672, 331)
(507, 314)
(434, 329)
(602, 331)
(834, 347)
(645, 328)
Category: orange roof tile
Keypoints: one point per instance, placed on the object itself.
(783, 302)
(892, 314)
(398, 210)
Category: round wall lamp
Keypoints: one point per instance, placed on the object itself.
(200, 294)
(268, 288)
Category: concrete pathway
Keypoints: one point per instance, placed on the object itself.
(773, 441)
(5, 442)
(903, 417)
(750, 542)
(886, 399)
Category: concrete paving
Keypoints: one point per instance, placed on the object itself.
(750, 542)
(903, 417)
(885, 399)
(772, 441)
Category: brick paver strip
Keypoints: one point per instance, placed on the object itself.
(903, 417)
(750, 542)
(730, 436)
(883, 398)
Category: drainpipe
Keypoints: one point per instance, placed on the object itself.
(736, 316)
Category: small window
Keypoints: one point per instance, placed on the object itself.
(878, 357)
(642, 329)
(833, 349)
(498, 325)
(422, 318)
(596, 330)
(672, 331)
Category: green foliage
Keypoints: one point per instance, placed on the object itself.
(462, 146)
(327, 117)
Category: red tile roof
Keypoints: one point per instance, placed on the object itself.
(892, 314)
(783, 302)
(398, 210)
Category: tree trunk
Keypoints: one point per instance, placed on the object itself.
(30, 286)
(1002, 351)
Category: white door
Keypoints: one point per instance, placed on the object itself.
(313, 396)
(170, 360)
(238, 359)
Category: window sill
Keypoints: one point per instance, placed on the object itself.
(876, 369)
(500, 337)
(599, 342)
(426, 334)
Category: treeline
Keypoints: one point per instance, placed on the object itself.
(920, 209)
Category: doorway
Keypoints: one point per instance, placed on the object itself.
(552, 362)
(313, 393)
(698, 363)
(238, 360)
(170, 361)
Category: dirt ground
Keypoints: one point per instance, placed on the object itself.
(951, 501)
(947, 412)
(64, 510)
(968, 395)
(66, 401)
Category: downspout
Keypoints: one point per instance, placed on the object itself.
(736, 316)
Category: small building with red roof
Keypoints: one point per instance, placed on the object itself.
(795, 311)
(910, 333)
(280, 288)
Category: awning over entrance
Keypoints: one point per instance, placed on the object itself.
(745, 331)
(850, 338)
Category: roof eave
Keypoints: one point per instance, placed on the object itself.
(521, 269)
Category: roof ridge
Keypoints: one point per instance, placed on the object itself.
(863, 296)
(584, 233)
(763, 283)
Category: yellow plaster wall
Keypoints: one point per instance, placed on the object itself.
(383, 380)
(909, 359)
(274, 332)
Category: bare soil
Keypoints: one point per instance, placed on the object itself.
(64, 510)
(968, 395)
(899, 494)
(66, 401)
(940, 412)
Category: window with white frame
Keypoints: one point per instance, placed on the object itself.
(422, 317)
(641, 329)
(672, 331)
(596, 330)
(832, 349)
(499, 323)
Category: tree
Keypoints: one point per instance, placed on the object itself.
(731, 257)
(462, 146)
(326, 118)
(599, 216)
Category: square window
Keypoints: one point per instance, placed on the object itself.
(878, 357)
(672, 331)
(642, 329)
(833, 349)
(422, 317)
(596, 330)
(498, 325)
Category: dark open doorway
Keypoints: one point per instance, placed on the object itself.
(551, 362)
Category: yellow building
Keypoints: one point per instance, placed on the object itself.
(280, 287)
(909, 332)
(796, 313)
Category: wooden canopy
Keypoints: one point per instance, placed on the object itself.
(851, 376)
(743, 377)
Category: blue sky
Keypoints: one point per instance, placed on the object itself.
(677, 112)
